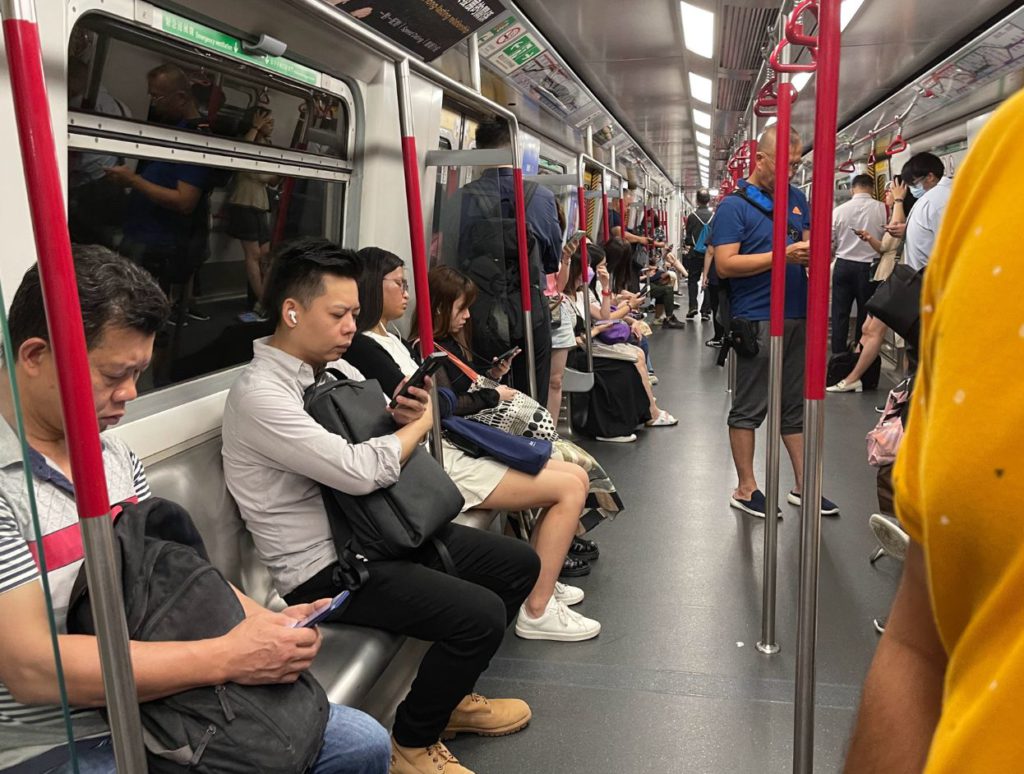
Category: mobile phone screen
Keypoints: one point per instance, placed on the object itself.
(426, 368)
(321, 614)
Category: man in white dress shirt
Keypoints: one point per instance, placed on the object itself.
(925, 174)
(851, 276)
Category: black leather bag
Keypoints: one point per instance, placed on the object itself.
(841, 363)
(742, 336)
(897, 301)
(389, 523)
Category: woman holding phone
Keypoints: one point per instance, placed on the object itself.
(559, 490)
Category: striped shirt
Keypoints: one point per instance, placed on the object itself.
(27, 731)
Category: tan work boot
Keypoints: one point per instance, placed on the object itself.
(436, 759)
(488, 717)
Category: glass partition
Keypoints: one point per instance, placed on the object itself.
(40, 557)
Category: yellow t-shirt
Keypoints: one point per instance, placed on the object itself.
(960, 472)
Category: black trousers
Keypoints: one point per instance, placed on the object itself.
(851, 282)
(694, 267)
(711, 302)
(541, 355)
(465, 616)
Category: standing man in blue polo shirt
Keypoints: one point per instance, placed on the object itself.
(742, 238)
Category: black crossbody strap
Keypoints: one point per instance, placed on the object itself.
(795, 235)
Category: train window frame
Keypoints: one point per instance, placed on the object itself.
(98, 133)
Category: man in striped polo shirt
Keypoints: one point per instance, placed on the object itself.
(122, 309)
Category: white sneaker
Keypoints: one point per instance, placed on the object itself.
(890, 536)
(652, 378)
(843, 386)
(557, 623)
(568, 595)
(618, 438)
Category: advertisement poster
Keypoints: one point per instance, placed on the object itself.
(544, 79)
(426, 28)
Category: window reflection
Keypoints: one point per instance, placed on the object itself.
(205, 234)
(188, 89)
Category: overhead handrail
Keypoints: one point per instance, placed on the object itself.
(74, 382)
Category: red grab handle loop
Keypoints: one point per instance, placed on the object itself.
(778, 67)
(795, 29)
(898, 145)
(847, 166)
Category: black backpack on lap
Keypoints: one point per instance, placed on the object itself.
(173, 593)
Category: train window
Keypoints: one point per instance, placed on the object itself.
(131, 73)
(208, 252)
(261, 160)
(549, 167)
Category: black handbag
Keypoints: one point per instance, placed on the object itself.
(897, 301)
(742, 336)
(389, 523)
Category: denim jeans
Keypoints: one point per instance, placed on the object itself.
(354, 743)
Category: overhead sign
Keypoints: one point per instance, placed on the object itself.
(426, 28)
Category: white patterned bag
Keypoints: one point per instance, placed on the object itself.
(520, 416)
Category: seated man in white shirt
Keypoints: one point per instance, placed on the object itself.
(276, 457)
(851, 274)
(122, 309)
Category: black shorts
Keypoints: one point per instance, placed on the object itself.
(248, 224)
(750, 394)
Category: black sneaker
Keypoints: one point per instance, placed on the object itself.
(716, 343)
(880, 409)
(200, 316)
(705, 316)
(574, 568)
(584, 549)
(673, 322)
(691, 314)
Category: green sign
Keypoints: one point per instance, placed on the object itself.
(523, 50)
(218, 42)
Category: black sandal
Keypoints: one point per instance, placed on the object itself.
(584, 549)
(574, 568)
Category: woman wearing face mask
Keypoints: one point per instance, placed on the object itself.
(898, 200)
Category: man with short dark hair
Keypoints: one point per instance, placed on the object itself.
(926, 175)
(742, 238)
(851, 273)
(122, 309)
(276, 458)
(697, 225)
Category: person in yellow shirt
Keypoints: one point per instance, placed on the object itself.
(944, 692)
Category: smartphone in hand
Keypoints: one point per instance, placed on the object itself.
(429, 365)
(323, 613)
(508, 355)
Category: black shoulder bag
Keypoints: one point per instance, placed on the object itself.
(389, 523)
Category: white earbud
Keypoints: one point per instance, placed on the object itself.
(293, 317)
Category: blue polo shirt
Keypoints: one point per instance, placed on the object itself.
(736, 220)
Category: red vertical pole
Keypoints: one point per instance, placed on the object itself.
(622, 214)
(74, 380)
(524, 258)
(56, 267)
(814, 385)
(418, 245)
(581, 195)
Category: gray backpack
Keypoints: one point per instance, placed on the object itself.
(173, 593)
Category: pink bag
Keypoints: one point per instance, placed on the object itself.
(884, 439)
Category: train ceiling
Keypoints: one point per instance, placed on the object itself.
(632, 56)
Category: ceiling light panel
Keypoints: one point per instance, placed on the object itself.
(700, 88)
(702, 138)
(698, 30)
(703, 152)
(702, 119)
(847, 11)
(800, 80)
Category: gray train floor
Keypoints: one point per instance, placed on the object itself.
(674, 683)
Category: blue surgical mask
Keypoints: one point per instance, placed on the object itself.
(917, 190)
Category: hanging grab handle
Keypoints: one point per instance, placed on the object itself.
(898, 144)
(848, 166)
(795, 33)
(778, 67)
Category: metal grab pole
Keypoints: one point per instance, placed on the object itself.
(474, 62)
(585, 261)
(67, 338)
(524, 268)
(780, 216)
(814, 374)
(417, 240)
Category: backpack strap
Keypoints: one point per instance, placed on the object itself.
(790, 229)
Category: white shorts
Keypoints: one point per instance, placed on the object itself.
(476, 477)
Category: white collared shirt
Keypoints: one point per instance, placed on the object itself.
(276, 456)
(863, 213)
(923, 224)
